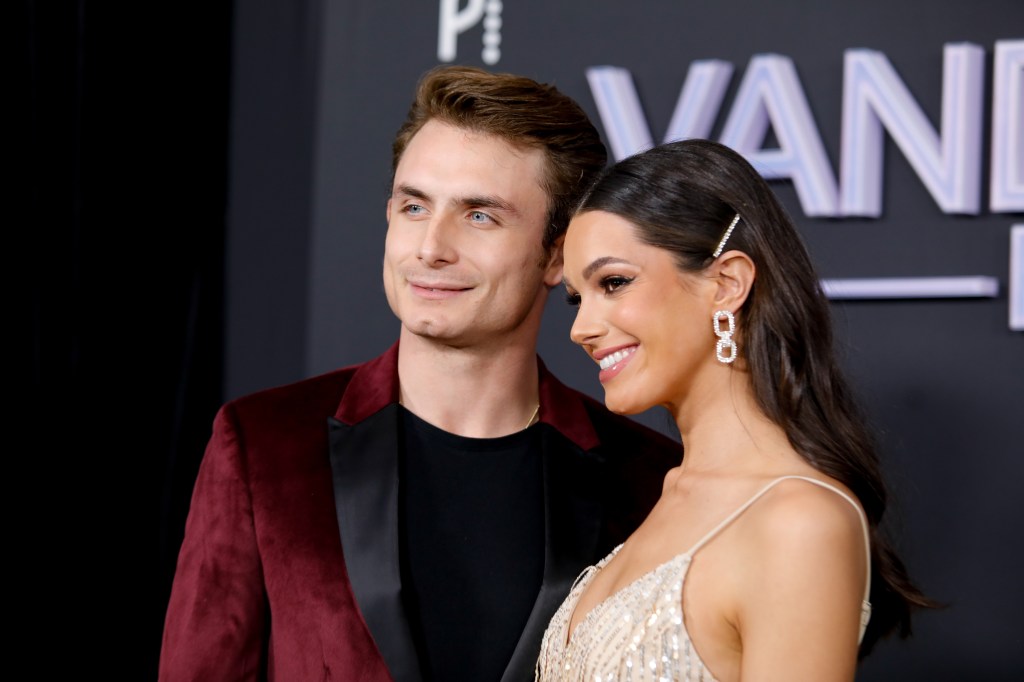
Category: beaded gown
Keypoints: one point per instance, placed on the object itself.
(638, 634)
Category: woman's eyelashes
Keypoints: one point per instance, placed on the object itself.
(609, 285)
(612, 283)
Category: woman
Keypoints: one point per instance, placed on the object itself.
(761, 557)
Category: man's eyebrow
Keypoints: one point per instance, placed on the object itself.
(486, 202)
(410, 191)
(600, 262)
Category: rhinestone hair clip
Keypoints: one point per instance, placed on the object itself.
(725, 237)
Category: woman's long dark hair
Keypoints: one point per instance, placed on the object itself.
(681, 197)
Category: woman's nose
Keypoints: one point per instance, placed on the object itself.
(585, 328)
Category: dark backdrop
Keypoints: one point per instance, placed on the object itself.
(124, 182)
(207, 195)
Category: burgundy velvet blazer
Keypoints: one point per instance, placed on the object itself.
(289, 568)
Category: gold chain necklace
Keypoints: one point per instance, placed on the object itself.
(532, 417)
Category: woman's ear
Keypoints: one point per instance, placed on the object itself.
(553, 267)
(734, 274)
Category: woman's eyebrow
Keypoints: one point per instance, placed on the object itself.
(601, 262)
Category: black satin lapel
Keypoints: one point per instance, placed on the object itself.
(573, 518)
(364, 462)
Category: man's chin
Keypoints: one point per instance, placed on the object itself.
(432, 330)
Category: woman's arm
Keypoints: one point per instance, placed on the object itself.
(801, 587)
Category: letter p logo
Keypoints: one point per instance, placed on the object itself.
(454, 21)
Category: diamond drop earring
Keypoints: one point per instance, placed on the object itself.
(725, 342)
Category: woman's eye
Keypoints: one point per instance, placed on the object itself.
(572, 299)
(613, 282)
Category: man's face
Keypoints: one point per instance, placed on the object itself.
(463, 260)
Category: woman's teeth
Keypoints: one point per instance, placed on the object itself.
(609, 361)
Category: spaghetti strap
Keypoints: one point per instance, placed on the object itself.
(866, 604)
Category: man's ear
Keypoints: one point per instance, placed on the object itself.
(733, 273)
(387, 211)
(553, 268)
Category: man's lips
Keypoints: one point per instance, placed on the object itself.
(437, 290)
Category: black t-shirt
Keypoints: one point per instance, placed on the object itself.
(472, 546)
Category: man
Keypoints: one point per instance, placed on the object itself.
(421, 516)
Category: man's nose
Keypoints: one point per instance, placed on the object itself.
(438, 244)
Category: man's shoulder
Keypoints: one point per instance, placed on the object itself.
(318, 395)
(619, 431)
(616, 429)
(634, 460)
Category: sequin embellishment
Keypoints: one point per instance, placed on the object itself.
(636, 634)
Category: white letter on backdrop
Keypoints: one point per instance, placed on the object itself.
(771, 94)
(1007, 181)
(874, 96)
(452, 22)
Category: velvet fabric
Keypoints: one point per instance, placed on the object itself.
(289, 567)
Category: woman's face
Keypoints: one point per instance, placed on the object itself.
(646, 323)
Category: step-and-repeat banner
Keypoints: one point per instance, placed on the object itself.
(892, 130)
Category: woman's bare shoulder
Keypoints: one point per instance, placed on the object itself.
(806, 542)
